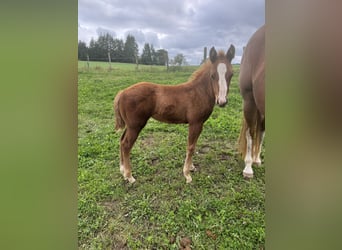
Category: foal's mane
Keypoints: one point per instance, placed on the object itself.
(204, 68)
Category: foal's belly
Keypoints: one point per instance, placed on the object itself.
(170, 114)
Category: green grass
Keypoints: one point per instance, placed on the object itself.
(218, 210)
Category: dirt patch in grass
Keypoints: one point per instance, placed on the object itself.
(225, 157)
(147, 141)
(204, 149)
(155, 161)
(110, 205)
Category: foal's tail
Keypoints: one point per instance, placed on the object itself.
(119, 122)
(255, 132)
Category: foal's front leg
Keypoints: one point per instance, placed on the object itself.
(194, 132)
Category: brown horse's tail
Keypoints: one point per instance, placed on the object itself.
(119, 122)
(255, 132)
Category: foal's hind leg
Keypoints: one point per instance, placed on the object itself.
(122, 167)
(194, 132)
(127, 140)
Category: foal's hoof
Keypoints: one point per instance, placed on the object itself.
(193, 168)
(247, 175)
(188, 179)
(130, 179)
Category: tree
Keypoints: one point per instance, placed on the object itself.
(118, 54)
(82, 50)
(106, 48)
(146, 57)
(106, 45)
(130, 49)
(153, 56)
(161, 57)
(179, 60)
(94, 50)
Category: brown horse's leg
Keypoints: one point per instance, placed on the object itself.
(250, 114)
(248, 171)
(194, 132)
(127, 140)
(257, 159)
(261, 134)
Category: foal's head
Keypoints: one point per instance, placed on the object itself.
(221, 72)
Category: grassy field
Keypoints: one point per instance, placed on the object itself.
(218, 210)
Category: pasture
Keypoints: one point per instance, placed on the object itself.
(218, 210)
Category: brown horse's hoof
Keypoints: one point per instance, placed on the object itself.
(247, 175)
(257, 163)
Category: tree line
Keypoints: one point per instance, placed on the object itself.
(107, 48)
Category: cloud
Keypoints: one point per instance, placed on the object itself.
(179, 26)
(101, 31)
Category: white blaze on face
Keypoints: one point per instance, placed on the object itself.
(221, 70)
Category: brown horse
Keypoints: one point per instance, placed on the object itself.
(252, 88)
(191, 102)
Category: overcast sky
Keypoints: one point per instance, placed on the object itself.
(179, 26)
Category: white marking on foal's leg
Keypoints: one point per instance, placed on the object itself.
(188, 166)
(130, 178)
(257, 160)
(186, 172)
(122, 168)
(248, 171)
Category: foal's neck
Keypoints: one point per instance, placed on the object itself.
(202, 83)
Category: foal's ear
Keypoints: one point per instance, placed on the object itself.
(230, 53)
(213, 55)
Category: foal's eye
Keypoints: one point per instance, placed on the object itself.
(212, 77)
